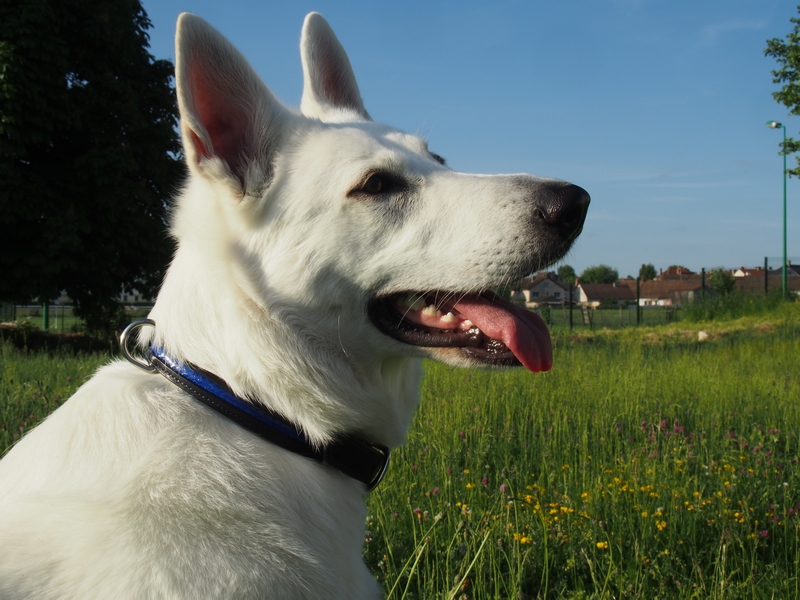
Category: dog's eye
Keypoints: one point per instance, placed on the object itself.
(377, 184)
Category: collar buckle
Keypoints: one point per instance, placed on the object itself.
(358, 459)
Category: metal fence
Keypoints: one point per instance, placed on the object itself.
(59, 318)
(585, 317)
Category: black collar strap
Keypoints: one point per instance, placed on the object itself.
(357, 458)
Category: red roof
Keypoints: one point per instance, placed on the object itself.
(597, 292)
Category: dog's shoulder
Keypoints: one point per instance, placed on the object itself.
(106, 424)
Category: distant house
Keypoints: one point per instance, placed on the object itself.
(759, 281)
(790, 270)
(742, 272)
(671, 292)
(134, 297)
(676, 291)
(543, 289)
(756, 285)
(674, 273)
(595, 294)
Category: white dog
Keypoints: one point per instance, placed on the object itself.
(320, 257)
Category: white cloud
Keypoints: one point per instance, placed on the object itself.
(711, 33)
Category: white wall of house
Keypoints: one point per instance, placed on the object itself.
(545, 288)
(135, 296)
(655, 301)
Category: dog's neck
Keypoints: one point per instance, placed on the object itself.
(203, 317)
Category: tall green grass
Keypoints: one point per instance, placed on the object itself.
(646, 464)
(736, 305)
(34, 384)
(631, 470)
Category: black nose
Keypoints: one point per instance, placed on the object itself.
(562, 206)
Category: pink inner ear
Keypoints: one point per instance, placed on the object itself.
(222, 115)
(334, 84)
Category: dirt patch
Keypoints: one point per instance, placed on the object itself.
(766, 328)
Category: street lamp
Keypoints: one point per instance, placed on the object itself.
(775, 125)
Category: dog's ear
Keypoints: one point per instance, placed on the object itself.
(328, 79)
(229, 119)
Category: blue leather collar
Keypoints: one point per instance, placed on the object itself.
(357, 458)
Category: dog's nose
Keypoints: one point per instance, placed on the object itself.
(562, 206)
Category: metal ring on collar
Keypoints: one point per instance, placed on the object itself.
(142, 363)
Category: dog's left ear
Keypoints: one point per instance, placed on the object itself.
(230, 121)
(328, 79)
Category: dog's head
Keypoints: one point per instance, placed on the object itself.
(349, 236)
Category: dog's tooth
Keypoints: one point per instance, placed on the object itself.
(449, 318)
(431, 311)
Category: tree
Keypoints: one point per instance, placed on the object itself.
(566, 273)
(787, 54)
(89, 153)
(647, 272)
(599, 274)
(721, 281)
(609, 303)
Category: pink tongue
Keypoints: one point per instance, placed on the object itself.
(522, 331)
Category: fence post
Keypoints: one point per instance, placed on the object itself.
(703, 282)
(45, 316)
(766, 276)
(638, 303)
(570, 307)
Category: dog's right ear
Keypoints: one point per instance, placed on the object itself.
(328, 79)
(229, 119)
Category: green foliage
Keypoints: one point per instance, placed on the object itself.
(733, 306)
(609, 303)
(647, 272)
(88, 152)
(546, 314)
(721, 281)
(787, 55)
(566, 273)
(599, 274)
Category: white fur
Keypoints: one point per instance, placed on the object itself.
(132, 489)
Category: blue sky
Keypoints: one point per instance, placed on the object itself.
(657, 109)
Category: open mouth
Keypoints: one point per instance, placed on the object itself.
(487, 328)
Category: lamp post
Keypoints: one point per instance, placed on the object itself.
(776, 125)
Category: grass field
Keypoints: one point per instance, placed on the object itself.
(646, 464)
